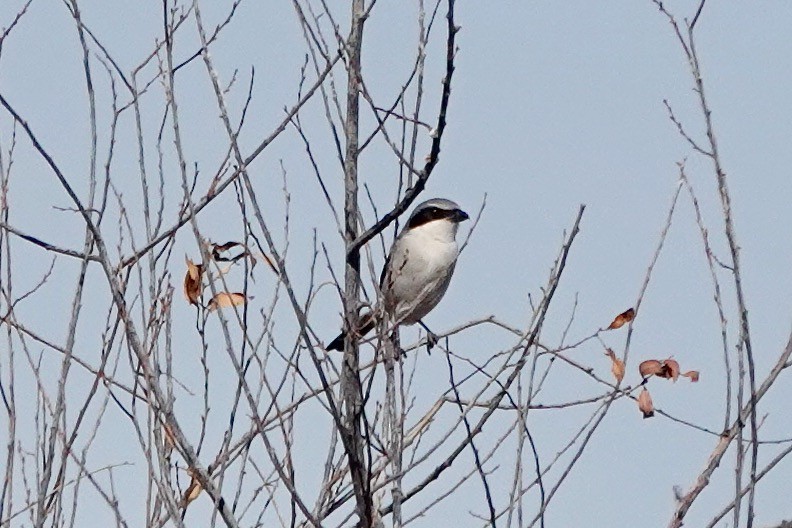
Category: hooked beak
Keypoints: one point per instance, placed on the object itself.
(460, 216)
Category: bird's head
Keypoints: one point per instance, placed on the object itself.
(438, 215)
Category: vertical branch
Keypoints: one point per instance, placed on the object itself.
(434, 154)
(59, 415)
(744, 348)
(7, 385)
(393, 425)
(717, 296)
(350, 375)
(744, 341)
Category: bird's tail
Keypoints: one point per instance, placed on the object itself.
(366, 324)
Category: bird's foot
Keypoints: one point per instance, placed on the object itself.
(431, 341)
(431, 338)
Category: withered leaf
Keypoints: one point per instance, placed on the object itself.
(622, 319)
(226, 299)
(193, 270)
(670, 369)
(617, 365)
(667, 369)
(192, 491)
(650, 367)
(218, 255)
(192, 281)
(217, 249)
(692, 374)
(226, 246)
(645, 403)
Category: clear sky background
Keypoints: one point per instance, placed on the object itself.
(554, 104)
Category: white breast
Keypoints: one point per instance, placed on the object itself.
(419, 270)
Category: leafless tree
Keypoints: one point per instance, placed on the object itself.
(130, 402)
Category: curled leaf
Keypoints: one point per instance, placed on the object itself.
(219, 249)
(222, 253)
(645, 403)
(224, 247)
(667, 369)
(692, 374)
(192, 491)
(670, 369)
(617, 365)
(192, 282)
(622, 319)
(226, 299)
(650, 367)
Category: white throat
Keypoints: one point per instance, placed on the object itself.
(439, 230)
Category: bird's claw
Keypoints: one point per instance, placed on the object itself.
(431, 341)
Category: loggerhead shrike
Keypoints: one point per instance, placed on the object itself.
(418, 268)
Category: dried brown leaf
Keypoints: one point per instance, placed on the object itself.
(622, 319)
(692, 374)
(192, 282)
(645, 403)
(670, 369)
(225, 247)
(217, 249)
(617, 365)
(192, 491)
(220, 253)
(226, 299)
(650, 367)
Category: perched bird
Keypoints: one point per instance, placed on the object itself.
(418, 268)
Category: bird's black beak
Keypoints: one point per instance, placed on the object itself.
(460, 215)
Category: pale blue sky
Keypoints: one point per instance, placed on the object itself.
(554, 104)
